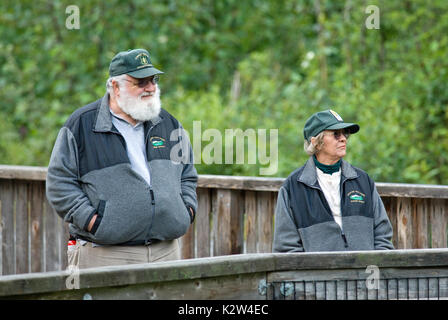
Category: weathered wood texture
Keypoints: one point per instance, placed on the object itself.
(33, 238)
(235, 215)
(402, 274)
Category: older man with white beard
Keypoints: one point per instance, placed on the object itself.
(111, 176)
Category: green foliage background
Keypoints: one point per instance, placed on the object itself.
(265, 64)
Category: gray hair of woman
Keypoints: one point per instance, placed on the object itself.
(310, 148)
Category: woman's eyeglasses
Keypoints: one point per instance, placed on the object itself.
(337, 134)
(142, 83)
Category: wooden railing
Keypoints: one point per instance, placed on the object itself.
(235, 215)
(357, 275)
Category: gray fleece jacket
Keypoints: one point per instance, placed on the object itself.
(304, 221)
(89, 172)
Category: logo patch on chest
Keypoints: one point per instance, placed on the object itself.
(356, 196)
(157, 142)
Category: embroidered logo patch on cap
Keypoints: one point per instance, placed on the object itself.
(143, 59)
(336, 115)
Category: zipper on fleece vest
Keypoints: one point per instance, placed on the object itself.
(342, 203)
(151, 191)
(153, 210)
(153, 201)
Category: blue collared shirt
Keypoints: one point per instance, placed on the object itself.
(135, 145)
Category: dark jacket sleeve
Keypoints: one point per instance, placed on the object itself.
(286, 235)
(63, 189)
(189, 174)
(382, 226)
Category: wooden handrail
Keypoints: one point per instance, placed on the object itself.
(216, 277)
(404, 190)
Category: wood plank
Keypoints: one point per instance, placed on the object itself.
(240, 182)
(242, 287)
(407, 190)
(237, 221)
(237, 287)
(227, 220)
(235, 266)
(36, 190)
(51, 238)
(352, 290)
(265, 212)
(250, 183)
(387, 258)
(439, 219)
(23, 172)
(420, 222)
(390, 204)
(250, 224)
(222, 223)
(187, 243)
(404, 223)
(213, 220)
(273, 184)
(8, 258)
(22, 227)
(203, 223)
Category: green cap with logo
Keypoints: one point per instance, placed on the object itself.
(326, 120)
(136, 63)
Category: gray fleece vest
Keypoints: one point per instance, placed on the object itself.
(90, 173)
(314, 219)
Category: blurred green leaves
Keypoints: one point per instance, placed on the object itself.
(241, 64)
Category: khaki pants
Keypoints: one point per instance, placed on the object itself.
(88, 256)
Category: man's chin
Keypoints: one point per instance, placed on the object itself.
(151, 113)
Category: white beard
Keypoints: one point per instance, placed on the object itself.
(137, 108)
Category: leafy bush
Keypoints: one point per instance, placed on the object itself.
(241, 64)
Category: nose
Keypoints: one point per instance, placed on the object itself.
(150, 86)
(341, 137)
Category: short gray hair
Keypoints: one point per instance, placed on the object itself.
(118, 78)
(312, 149)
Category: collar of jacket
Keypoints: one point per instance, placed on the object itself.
(103, 121)
(309, 175)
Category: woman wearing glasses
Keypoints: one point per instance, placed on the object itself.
(328, 204)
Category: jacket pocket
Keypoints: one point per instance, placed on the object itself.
(100, 214)
(171, 219)
(191, 215)
(121, 224)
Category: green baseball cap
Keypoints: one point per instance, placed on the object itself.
(136, 63)
(326, 120)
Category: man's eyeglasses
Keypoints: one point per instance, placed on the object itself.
(142, 83)
(337, 134)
